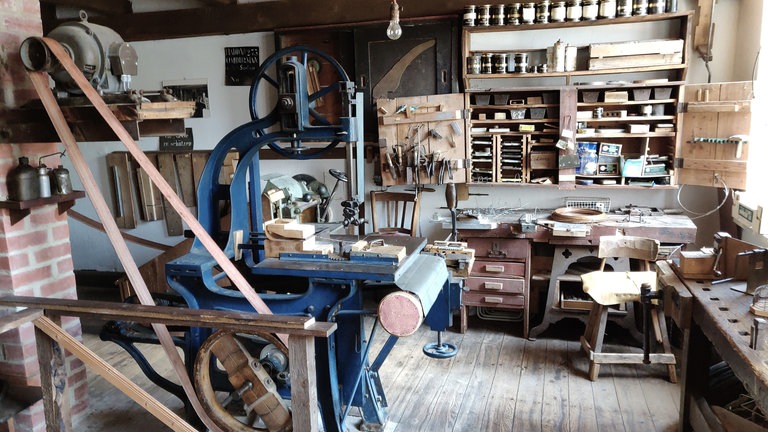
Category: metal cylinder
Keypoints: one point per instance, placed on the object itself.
(44, 180)
(470, 15)
(498, 16)
(521, 62)
(557, 11)
(61, 182)
(640, 7)
(589, 9)
(513, 14)
(486, 63)
(542, 12)
(656, 6)
(484, 15)
(528, 13)
(607, 9)
(623, 8)
(500, 63)
(573, 10)
(22, 181)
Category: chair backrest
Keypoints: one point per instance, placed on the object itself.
(395, 212)
(639, 248)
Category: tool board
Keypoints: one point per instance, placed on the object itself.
(422, 140)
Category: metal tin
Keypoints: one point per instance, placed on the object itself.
(500, 63)
(513, 14)
(639, 7)
(22, 182)
(573, 10)
(486, 63)
(646, 110)
(542, 68)
(484, 15)
(470, 15)
(61, 183)
(597, 112)
(671, 6)
(557, 11)
(473, 64)
(623, 8)
(44, 180)
(528, 13)
(521, 62)
(542, 12)
(607, 9)
(656, 6)
(589, 10)
(498, 17)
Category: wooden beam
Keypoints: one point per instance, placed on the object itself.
(101, 6)
(16, 319)
(266, 16)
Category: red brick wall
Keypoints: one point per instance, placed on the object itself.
(35, 255)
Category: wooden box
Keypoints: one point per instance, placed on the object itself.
(695, 264)
(616, 96)
(543, 160)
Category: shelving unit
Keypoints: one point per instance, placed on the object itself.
(645, 123)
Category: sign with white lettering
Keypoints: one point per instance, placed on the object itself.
(240, 65)
(177, 143)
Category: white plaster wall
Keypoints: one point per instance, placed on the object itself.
(202, 57)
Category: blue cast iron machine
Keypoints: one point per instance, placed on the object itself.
(328, 287)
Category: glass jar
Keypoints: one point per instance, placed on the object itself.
(484, 15)
(557, 12)
(486, 63)
(607, 9)
(623, 8)
(640, 7)
(528, 13)
(500, 63)
(513, 14)
(542, 12)
(573, 10)
(589, 10)
(473, 64)
(498, 17)
(470, 15)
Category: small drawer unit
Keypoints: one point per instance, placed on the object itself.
(499, 277)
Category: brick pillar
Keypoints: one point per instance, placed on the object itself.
(35, 254)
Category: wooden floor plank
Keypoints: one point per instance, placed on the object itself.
(477, 392)
(530, 393)
(554, 410)
(499, 414)
(628, 380)
(582, 413)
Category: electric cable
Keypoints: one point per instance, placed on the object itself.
(701, 215)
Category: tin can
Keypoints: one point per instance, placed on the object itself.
(557, 11)
(528, 13)
(521, 62)
(656, 6)
(542, 12)
(607, 9)
(500, 63)
(573, 10)
(473, 64)
(640, 7)
(513, 14)
(484, 15)
(671, 6)
(498, 18)
(486, 63)
(646, 110)
(470, 15)
(589, 10)
(597, 112)
(623, 8)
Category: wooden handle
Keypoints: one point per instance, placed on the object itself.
(497, 300)
(493, 285)
(494, 268)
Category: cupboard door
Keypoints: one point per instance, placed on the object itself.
(715, 124)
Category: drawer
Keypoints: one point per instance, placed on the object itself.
(498, 268)
(493, 300)
(499, 247)
(496, 285)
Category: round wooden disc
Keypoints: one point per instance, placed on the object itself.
(577, 215)
(400, 313)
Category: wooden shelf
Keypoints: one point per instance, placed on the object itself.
(21, 209)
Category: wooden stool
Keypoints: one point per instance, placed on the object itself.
(611, 288)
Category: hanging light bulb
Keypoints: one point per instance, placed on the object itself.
(394, 31)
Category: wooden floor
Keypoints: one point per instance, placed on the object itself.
(497, 382)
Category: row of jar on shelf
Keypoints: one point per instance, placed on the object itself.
(560, 57)
(547, 11)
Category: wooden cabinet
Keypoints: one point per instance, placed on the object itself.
(610, 81)
(500, 275)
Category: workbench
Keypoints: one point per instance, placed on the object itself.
(714, 316)
(668, 229)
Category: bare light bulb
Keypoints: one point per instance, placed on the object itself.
(394, 31)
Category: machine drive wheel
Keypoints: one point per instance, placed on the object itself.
(440, 350)
(254, 391)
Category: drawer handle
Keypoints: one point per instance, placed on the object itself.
(497, 300)
(490, 268)
(493, 285)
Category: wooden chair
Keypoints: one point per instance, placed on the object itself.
(395, 213)
(610, 288)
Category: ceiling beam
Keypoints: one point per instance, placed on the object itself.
(264, 16)
(106, 7)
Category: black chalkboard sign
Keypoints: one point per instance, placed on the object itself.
(240, 65)
(177, 143)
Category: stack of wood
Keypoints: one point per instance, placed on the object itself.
(287, 235)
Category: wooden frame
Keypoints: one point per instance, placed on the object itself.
(45, 312)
